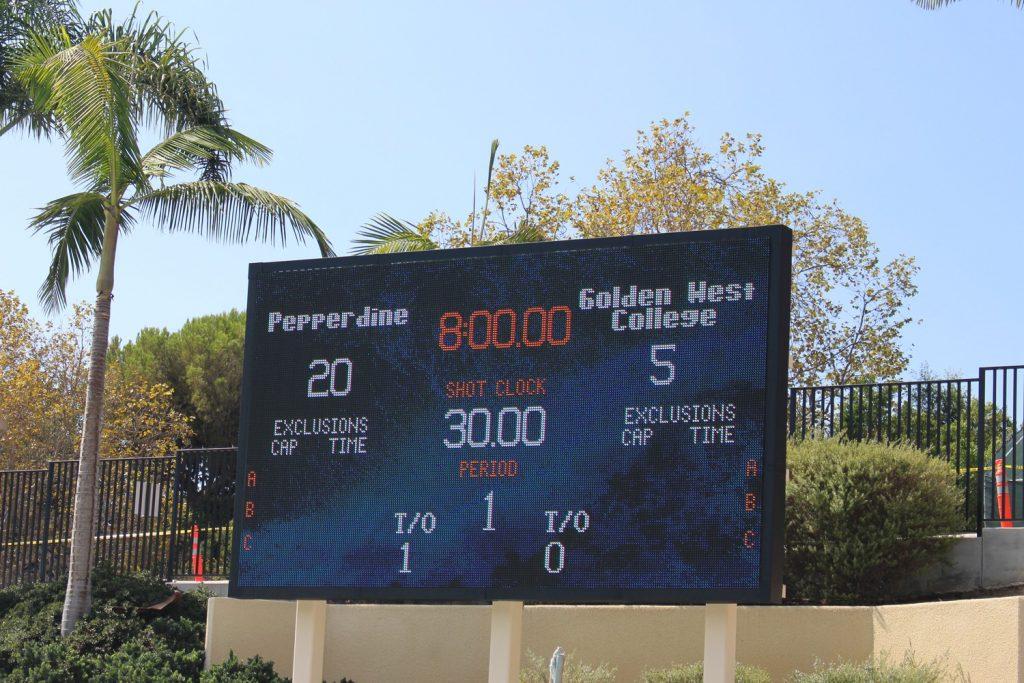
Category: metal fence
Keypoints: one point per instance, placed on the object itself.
(972, 423)
(150, 511)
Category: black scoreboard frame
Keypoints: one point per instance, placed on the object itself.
(769, 589)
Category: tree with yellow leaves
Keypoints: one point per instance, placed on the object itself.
(43, 372)
(849, 307)
(524, 210)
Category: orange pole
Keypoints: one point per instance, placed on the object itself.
(197, 558)
(1002, 496)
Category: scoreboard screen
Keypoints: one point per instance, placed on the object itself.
(594, 420)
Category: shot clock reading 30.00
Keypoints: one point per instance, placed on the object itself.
(582, 421)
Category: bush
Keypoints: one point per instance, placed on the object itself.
(114, 642)
(232, 670)
(863, 516)
(694, 673)
(535, 670)
(880, 671)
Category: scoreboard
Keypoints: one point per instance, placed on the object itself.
(595, 420)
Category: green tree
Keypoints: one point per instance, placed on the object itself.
(202, 362)
(100, 90)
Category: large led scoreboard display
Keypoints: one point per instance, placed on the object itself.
(583, 421)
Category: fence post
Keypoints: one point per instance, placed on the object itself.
(980, 504)
(792, 412)
(174, 517)
(47, 503)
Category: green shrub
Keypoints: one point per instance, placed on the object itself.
(694, 673)
(863, 516)
(114, 642)
(880, 671)
(233, 670)
(535, 670)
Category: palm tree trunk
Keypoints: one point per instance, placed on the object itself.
(78, 597)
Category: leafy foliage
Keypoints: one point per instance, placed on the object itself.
(98, 86)
(908, 670)
(385, 234)
(18, 18)
(863, 516)
(849, 306)
(115, 642)
(694, 673)
(535, 670)
(232, 213)
(43, 370)
(233, 670)
(523, 212)
(139, 419)
(202, 363)
(74, 227)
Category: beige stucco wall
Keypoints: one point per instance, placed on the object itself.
(982, 636)
(371, 643)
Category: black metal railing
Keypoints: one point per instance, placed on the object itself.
(150, 511)
(1001, 444)
(972, 423)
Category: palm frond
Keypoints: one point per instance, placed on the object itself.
(524, 234)
(86, 86)
(385, 234)
(473, 239)
(171, 89)
(229, 212)
(490, 166)
(190, 148)
(74, 228)
(17, 19)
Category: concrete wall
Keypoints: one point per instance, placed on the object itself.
(977, 635)
(993, 560)
(1002, 557)
(218, 588)
(370, 643)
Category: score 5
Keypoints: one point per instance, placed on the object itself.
(667, 367)
(329, 378)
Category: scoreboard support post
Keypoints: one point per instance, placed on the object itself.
(310, 632)
(719, 643)
(506, 641)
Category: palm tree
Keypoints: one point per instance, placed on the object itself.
(385, 234)
(97, 92)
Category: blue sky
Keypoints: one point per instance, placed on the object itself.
(911, 119)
